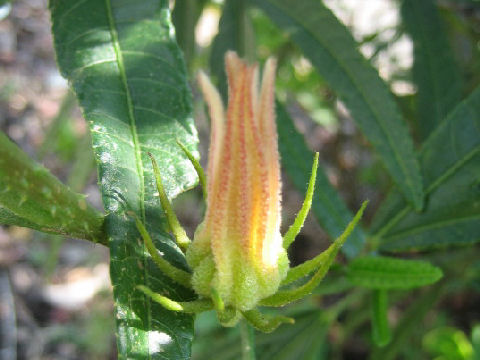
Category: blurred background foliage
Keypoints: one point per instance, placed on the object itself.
(60, 287)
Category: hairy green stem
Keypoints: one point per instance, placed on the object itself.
(248, 341)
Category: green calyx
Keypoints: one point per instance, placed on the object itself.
(239, 281)
(235, 286)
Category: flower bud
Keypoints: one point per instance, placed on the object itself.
(237, 250)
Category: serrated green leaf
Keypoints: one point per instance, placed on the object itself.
(450, 161)
(434, 71)
(328, 207)
(332, 50)
(129, 76)
(31, 196)
(391, 273)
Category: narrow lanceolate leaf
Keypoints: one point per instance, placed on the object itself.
(450, 161)
(129, 76)
(434, 71)
(332, 50)
(328, 207)
(391, 273)
(31, 196)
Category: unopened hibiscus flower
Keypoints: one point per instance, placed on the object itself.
(238, 258)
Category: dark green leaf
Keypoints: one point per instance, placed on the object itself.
(328, 207)
(235, 33)
(31, 196)
(390, 273)
(434, 71)
(450, 160)
(185, 16)
(332, 50)
(453, 217)
(129, 76)
(9, 218)
(305, 340)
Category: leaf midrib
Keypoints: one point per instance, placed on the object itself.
(381, 274)
(345, 68)
(432, 225)
(133, 129)
(440, 179)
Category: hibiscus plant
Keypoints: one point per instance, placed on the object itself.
(133, 68)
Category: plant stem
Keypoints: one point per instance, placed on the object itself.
(248, 341)
(380, 329)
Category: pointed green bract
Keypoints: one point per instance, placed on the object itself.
(327, 205)
(191, 307)
(229, 317)
(217, 301)
(295, 228)
(309, 266)
(284, 297)
(265, 323)
(177, 275)
(175, 227)
(305, 268)
(198, 169)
